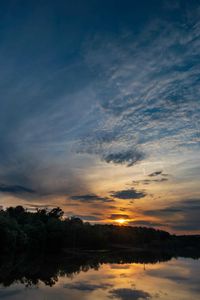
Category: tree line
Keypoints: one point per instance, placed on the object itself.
(22, 231)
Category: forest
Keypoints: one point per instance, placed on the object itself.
(47, 231)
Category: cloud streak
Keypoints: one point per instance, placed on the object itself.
(156, 173)
(181, 216)
(129, 294)
(129, 194)
(91, 198)
(129, 157)
(118, 216)
(15, 189)
(86, 286)
(149, 91)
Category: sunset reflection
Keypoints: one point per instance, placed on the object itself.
(119, 281)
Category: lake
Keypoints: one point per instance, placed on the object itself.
(161, 279)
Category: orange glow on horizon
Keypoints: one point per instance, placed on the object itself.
(121, 221)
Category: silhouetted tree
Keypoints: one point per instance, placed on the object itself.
(56, 213)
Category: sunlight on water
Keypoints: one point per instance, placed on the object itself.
(176, 279)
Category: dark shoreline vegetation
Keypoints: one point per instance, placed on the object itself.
(22, 231)
(40, 246)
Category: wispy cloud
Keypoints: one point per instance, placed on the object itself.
(129, 157)
(86, 286)
(15, 189)
(85, 217)
(145, 223)
(155, 177)
(90, 198)
(181, 216)
(156, 173)
(118, 216)
(148, 91)
(129, 294)
(128, 194)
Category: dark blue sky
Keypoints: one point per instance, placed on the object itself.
(95, 96)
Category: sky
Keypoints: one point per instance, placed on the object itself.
(100, 110)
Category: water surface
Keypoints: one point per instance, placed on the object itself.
(177, 278)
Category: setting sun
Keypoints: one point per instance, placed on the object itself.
(120, 221)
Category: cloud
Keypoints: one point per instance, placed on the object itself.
(167, 274)
(34, 207)
(39, 206)
(128, 194)
(86, 286)
(45, 104)
(145, 223)
(118, 216)
(15, 189)
(129, 294)
(186, 274)
(182, 216)
(156, 173)
(148, 181)
(148, 89)
(9, 293)
(90, 198)
(160, 177)
(87, 217)
(129, 157)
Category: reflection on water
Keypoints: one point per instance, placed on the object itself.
(105, 276)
